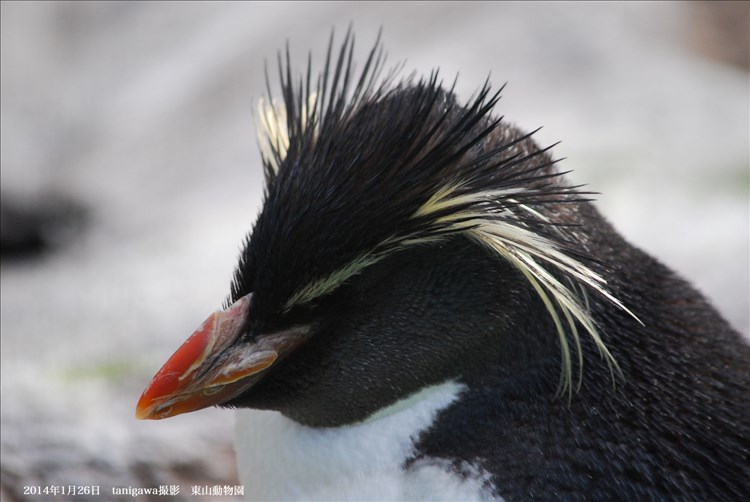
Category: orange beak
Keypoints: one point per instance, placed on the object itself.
(214, 364)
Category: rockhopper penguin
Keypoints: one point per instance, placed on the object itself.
(431, 311)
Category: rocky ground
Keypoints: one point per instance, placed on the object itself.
(130, 174)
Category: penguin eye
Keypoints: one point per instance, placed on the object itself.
(296, 316)
(301, 314)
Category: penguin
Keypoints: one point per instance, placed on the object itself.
(427, 309)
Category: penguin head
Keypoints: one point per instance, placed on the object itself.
(406, 238)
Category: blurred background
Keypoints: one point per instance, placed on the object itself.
(130, 174)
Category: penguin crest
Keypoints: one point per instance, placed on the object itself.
(395, 165)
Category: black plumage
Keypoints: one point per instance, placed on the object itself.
(423, 240)
(362, 161)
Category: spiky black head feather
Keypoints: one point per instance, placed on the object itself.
(358, 168)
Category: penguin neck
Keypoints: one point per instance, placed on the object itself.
(274, 451)
(414, 408)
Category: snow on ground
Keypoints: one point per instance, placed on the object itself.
(142, 114)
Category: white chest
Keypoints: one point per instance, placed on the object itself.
(279, 459)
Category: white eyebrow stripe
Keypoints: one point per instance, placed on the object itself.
(498, 228)
(321, 287)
